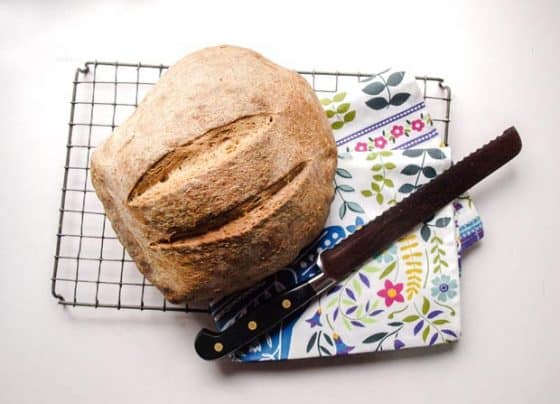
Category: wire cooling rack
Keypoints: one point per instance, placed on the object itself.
(91, 267)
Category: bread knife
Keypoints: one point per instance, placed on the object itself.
(373, 238)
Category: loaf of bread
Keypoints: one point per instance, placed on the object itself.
(221, 176)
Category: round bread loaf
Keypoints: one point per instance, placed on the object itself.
(221, 176)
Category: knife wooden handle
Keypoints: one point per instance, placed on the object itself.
(418, 207)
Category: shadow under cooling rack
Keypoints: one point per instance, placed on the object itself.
(91, 267)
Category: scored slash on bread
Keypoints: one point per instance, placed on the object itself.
(221, 176)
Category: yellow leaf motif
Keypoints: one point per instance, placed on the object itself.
(410, 253)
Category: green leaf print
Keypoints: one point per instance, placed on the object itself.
(436, 154)
(377, 103)
(374, 88)
(349, 117)
(342, 211)
(406, 188)
(437, 254)
(399, 99)
(411, 169)
(440, 322)
(343, 173)
(413, 153)
(342, 108)
(345, 188)
(339, 114)
(384, 86)
(354, 207)
(429, 172)
(390, 268)
(344, 191)
(339, 97)
(425, 306)
(443, 222)
(380, 180)
(425, 232)
(395, 78)
(311, 342)
(374, 338)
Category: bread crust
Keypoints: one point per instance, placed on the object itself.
(221, 175)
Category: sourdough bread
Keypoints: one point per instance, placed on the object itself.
(221, 175)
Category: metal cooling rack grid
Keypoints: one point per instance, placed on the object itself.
(91, 268)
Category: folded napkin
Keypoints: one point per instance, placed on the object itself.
(385, 112)
(408, 296)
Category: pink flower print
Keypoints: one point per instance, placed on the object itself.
(397, 131)
(380, 142)
(417, 125)
(391, 293)
(360, 147)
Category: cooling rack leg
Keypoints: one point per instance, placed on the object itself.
(447, 90)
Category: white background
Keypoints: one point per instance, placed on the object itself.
(500, 57)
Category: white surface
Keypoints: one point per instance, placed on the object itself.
(501, 60)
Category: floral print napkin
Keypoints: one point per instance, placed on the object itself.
(388, 111)
(408, 296)
(385, 112)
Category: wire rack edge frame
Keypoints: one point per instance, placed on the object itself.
(164, 307)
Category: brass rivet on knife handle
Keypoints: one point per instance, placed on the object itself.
(419, 206)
